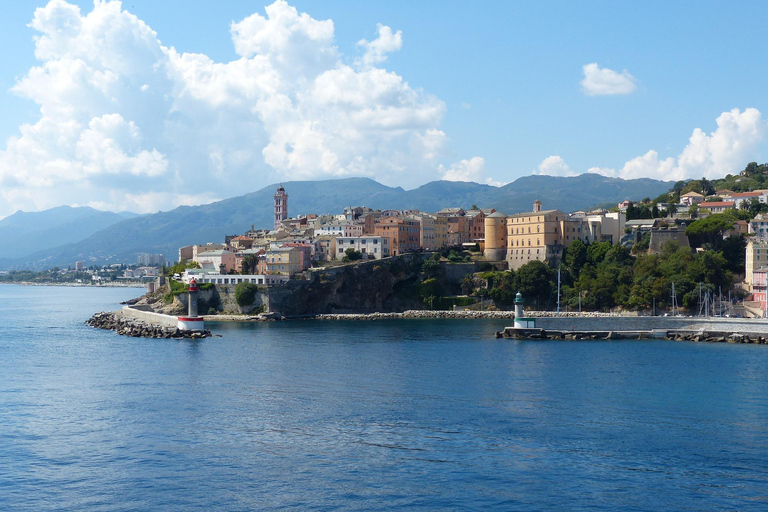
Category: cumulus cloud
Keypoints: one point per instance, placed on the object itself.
(127, 123)
(727, 150)
(554, 166)
(603, 81)
(376, 51)
(472, 169)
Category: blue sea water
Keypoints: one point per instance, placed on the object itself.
(386, 415)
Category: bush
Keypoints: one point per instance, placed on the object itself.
(245, 294)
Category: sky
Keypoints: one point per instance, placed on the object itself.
(143, 105)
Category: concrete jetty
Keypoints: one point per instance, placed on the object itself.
(519, 333)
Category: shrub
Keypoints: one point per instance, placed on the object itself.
(245, 293)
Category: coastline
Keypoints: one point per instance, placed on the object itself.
(78, 285)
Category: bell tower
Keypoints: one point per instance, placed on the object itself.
(281, 207)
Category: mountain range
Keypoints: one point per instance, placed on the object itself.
(25, 233)
(120, 239)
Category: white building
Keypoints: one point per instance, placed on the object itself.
(372, 247)
(202, 276)
(759, 226)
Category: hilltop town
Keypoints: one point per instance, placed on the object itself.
(679, 224)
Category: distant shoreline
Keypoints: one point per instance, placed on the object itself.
(78, 285)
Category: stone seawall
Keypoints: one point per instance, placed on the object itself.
(128, 326)
(648, 323)
(141, 314)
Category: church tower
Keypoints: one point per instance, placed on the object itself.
(281, 207)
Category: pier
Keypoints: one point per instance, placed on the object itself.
(707, 336)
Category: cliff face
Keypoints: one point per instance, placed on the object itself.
(378, 286)
(365, 287)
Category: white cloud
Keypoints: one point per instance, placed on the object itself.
(603, 81)
(727, 150)
(376, 51)
(603, 171)
(554, 166)
(472, 169)
(130, 124)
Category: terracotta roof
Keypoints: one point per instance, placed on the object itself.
(716, 204)
(691, 194)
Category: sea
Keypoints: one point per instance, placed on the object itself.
(367, 415)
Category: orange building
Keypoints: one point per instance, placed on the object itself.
(403, 233)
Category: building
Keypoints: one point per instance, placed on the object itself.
(281, 207)
(539, 235)
(691, 198)
(403, 233)
(221, 260)
(458, 229)
(759, 287)
(495, 237)
(325, 247)
(475, 225)
(758, 226)
(78, 266)
(146, 260)
(241, 243)
(756, 258)
(433, 231)
(372, 247)
(716, 206)
(305, 254)
(742, 199)
(285, 261)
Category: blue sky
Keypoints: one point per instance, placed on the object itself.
(493, 92)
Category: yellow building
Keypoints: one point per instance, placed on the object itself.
(284, 261)
(756, 257)
(495, 236)
(433, 232)
(539, 235)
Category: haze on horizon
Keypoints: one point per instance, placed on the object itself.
(142, 107)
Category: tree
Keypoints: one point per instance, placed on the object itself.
(504, 288)
(534, 280)
(351, 255)
(250, 262)
(706, 187)
(245, 293)
(180, 267)
(709, 230)
(671, 209)
(575, 256)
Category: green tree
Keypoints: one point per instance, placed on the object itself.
(250, 262)
(575, 256)
(180, 267)
(534, 280)
(245, 293)
(504, 288)
(709, 230)
(351, 255)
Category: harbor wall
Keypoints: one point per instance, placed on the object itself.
(138, 313)
(648, 323)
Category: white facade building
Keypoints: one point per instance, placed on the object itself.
(372, 247)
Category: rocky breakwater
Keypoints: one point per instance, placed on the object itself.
(129, 327)
(717, 337)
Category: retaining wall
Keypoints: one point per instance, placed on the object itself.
(149, 317)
